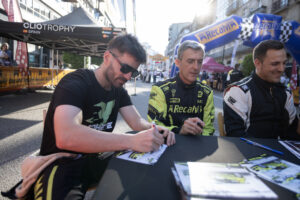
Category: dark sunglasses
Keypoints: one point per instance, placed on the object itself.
(125, 68)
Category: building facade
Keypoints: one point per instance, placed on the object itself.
(108, 13)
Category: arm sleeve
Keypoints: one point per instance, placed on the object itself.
(290, 107)
(124, 98)
(157, 108)
(209, 115)
(236, 107)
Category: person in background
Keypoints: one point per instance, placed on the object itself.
(81, 116)
(5, 55)
(259, 105)
(223, 79)
(183, 104)
(234, 75)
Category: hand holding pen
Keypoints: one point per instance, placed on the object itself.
(169, 136)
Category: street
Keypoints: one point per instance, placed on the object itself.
(21, 122)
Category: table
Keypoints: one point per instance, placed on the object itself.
(128, 180)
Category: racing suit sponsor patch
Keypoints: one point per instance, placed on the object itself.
(231, 100)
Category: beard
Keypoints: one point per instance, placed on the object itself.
(110, 76)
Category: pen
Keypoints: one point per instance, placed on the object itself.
(261, 146)
(161, 132)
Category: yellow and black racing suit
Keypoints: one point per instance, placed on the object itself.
(171, 102)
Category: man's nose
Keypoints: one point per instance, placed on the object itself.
(282, 67)
(128, 76)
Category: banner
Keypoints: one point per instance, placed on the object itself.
(251, 31)
(293, 81)
(236, 43)
(14, 15)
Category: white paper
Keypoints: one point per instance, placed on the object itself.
(278, 171)
(292, 146)
(145, 158)
(215, 180)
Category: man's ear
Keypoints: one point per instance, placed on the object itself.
(257, 63)
(177, 62)
(106, 57)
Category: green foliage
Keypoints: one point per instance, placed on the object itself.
(96, 60)
(78, 61)
(75, 60)
(247, 65)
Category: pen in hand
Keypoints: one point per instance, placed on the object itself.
(161, 132)
(261, 146)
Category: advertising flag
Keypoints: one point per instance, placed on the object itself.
(293, 81)
(14, 15)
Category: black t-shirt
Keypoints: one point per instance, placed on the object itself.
(99, 106)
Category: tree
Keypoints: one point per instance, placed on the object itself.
(248, 65)
(77, 61)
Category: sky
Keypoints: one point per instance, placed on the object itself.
(153, 18)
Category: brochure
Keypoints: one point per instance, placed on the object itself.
(275, 170)
(149, 158)
(219, 180)
(292, 146)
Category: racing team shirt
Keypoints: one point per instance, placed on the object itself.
(171, 102)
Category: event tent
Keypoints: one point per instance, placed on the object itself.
(76, 32)
(210, 65)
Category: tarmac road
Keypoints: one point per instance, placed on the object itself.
(21, 124)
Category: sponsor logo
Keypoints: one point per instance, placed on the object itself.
(231, 100)
(297, 31)
(173, 91)
(152, 95)
(174, 100)
(267, 27)
(217, 31)
(165, 88)
(36, 28)
(184, 109)
(200, 94)
(101, 127)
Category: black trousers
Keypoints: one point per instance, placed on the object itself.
(69, 178)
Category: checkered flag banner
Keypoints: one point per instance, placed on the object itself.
(293, 81)
(246, 29)
(286, 30)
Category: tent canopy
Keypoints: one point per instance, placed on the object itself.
(210, 65)
(76, 32)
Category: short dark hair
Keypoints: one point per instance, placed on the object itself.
(190, 44)
(127, 43)
(260, 50)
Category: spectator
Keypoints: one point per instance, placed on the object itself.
(183, 104)
(234, 75)
(5, 55)
(259, 106)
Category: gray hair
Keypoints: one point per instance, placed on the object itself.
(189, 44)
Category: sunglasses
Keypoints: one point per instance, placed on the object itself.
(125, 68)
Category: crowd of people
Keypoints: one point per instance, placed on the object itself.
(220, 80)
(85, 105)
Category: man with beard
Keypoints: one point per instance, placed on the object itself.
(259, 105)
(82, 113)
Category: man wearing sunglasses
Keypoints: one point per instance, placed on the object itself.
(82, 113)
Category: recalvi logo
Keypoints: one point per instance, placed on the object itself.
(48, 27)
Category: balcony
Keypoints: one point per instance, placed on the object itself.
(279, 5)
(262, 9)
(233, 7)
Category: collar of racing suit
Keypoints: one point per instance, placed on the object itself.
(265, 84)
(182, 84)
